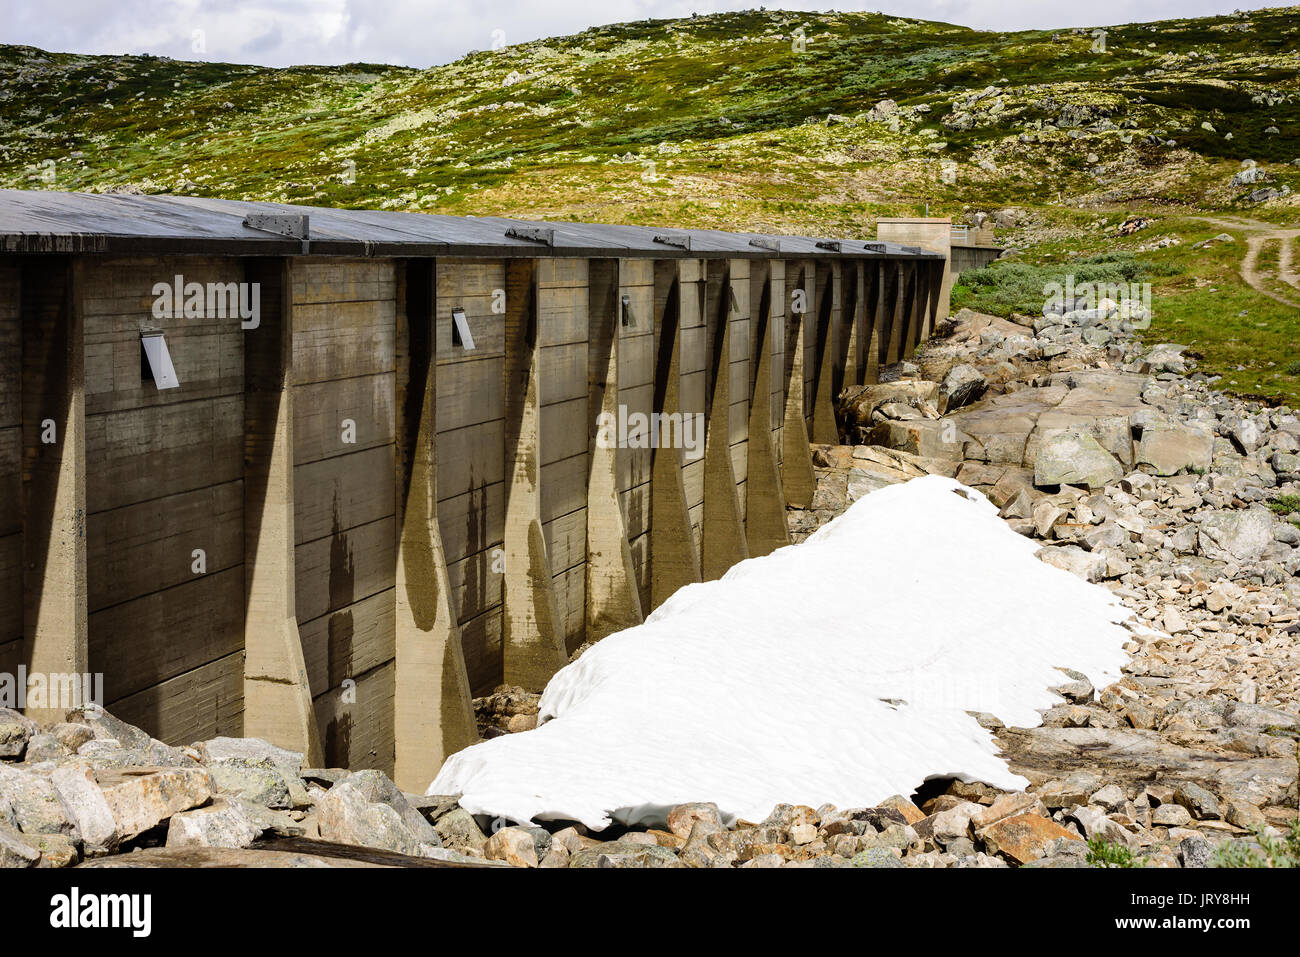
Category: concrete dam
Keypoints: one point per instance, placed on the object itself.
(320, 476)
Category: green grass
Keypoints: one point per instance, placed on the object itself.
(1010, 286)
(1198, 299)
(1105, 854)
(1285, 504)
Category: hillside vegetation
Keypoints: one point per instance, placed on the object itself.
(764, 120)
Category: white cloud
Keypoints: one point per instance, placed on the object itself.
(425, 32)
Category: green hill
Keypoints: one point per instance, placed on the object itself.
(765, 120)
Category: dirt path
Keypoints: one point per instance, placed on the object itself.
(1256, 235)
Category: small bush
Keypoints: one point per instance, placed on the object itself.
(1004, 287)
(1104, 854)
(1285, 504)
(1272, 852)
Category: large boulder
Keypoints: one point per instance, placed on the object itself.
(376, 786)
(961, 386)
(142, 798)
(89, 808)
(367, 809)
(514, 845)
(15, 731)
(1074, 457)
(928, 438)
(255, 770)
(1286, 465)
(1090, 566)
(15, 849)
(1167, 448)
(1240, 535)
(625, 854)
(220, 824)
(31, 803)
(1024, 837)
(458, 830)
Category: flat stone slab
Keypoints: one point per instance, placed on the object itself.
(288, 852)
(1136, 757)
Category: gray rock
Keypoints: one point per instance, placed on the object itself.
(1074, 457)
(1241, 535)
(43, 746)
(37, 807)
(875, 857)
(625, 854)
(254, 779)
(1167, 448)
(1184, 540)
(346, 816)
(458, 829)
(1058, 860)
(1108, 533)
(1204, 714)
(434, 806)
(1202, 805)
(15, 730)
(1111, 797)
(250, 750)
(1195, 851)
(1097, 826)
(82, 796)
(455, 857)
(220, 824)
(1090, 566)
(1267, 193)
(1078, 689)
(1165, 357)
(962, 385)
(1171, 815)
(376, 786)
(1286, 465)
(1247, 177)
(15, 849)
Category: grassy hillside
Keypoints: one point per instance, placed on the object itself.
(758, 120)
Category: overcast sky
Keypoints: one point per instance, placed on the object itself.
(426, 32)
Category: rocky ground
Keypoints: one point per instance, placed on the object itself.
(1127, 466)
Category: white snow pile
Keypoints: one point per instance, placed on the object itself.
(836, 671)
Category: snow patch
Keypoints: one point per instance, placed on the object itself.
(840, 670)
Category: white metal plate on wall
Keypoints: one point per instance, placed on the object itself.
(463, 337)
(160, 361)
